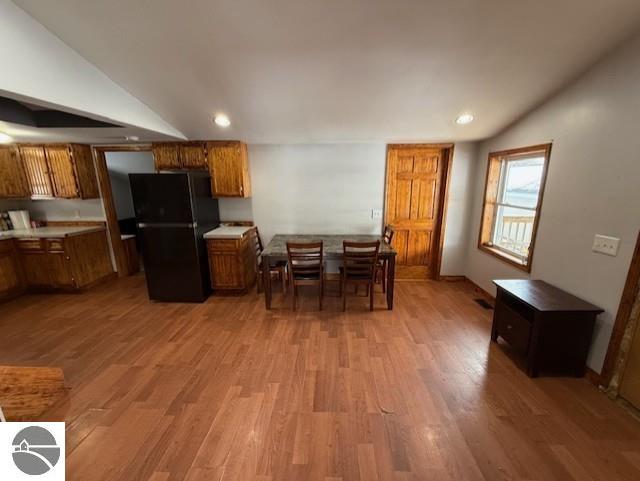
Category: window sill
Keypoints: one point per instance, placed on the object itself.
(505, 257)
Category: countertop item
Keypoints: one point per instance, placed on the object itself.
(48, 232)
(227, 232)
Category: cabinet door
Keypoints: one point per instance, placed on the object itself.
(193, 156)
(10, 272)
(13, 182)
(226, 271)
(46, 269)
(166, 156)
(37, 171)
(63, 175)
(85, 171)
(229, 168)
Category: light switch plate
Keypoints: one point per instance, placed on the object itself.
(606, 245)
(376, 214)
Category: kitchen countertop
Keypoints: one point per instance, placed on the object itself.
(50, 232)
(227, 232)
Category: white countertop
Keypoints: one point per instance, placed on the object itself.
(48, 232)
(228, 232)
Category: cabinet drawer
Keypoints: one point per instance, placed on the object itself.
(28, 245)
(513, 328)
(55, 245)
(223, 245)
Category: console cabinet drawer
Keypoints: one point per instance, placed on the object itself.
(513, 328)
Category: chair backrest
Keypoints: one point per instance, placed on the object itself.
(305, 259)
(388, 234)
(360, 259)
(257, 241)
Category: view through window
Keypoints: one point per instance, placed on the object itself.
(515, 181)
(517, 202)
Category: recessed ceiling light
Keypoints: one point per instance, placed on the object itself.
(134, 138)
(464, 119)
(222, 120)
(5, 138)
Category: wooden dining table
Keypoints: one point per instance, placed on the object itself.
(276, 251)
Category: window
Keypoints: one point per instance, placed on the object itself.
(512, 200)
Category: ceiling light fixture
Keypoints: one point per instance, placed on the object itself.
(464, 119)
(5, 138)
(133, 138)
(222, 120)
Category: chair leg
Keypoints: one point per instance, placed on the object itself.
(321, 291)
(371, 291)
(294, 295)
(344, 295)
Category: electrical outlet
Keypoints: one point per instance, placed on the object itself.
(606, 245)
(376, 214)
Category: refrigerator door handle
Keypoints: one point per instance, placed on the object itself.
(142, 225)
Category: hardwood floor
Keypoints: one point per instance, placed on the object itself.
(228, 391)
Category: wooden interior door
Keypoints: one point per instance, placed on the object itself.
(413, 207)
(63, 175)
(37, 171)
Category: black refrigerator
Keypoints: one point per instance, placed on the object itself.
(173, 211)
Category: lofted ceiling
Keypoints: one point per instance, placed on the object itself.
(339, 70)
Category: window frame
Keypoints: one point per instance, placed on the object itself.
(491, 201)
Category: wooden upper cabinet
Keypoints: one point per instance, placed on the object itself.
(36, 169)
(229, 169)
(59, 170)
(193, 156)
(166, 156)
(13, 182)
(85, 171)
(62, 172)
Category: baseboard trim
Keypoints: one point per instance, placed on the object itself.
(452, 278)
(592, 376)
(481, 291)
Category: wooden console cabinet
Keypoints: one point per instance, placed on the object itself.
(232, 263)
(551, 328)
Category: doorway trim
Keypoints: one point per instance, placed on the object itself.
(623, 317)
(106, 192)
(445, 180)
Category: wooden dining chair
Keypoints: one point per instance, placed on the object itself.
(280, 268)
(306, 267)
(359, 266)
(381, 265)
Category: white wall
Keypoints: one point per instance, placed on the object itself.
(38, 65)
(321, 188)
(461, 187)
(120, 165)
(593, 186)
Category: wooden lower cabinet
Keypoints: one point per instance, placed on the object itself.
(232, 264)
(71, 262)
(11, 277)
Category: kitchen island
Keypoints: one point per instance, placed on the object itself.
(53, 258)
